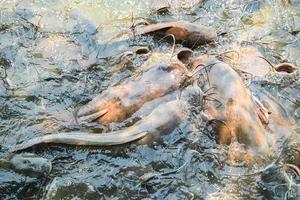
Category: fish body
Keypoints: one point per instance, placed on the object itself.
(191, 34)
(186, 33)
(119, 102)
(164, 118)
(235, 107)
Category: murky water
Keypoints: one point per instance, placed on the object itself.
(55, 55)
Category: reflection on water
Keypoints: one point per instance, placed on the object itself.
(53, 59)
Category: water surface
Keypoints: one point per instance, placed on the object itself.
(54, 56)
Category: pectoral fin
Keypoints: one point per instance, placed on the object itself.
(92, 117)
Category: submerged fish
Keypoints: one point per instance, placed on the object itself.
(251, 117)
(186, 33)
(164, 118)
(119, 102)
(190, 34)
(234, 107)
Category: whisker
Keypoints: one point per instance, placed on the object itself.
(209, 94)
(213, 87)
(214, 99)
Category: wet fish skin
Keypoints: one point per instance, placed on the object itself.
(238, 110)
(121, 101)
(164, 118)
(192, 34)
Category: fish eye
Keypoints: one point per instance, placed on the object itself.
(26, 161)
(165, 68)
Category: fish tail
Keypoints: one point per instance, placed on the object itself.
(85, 139)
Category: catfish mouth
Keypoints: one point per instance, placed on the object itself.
(184, 55)
(285, 67)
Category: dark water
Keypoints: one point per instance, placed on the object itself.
(55, 56)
